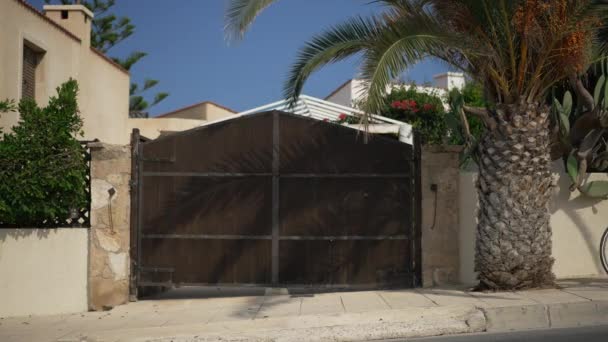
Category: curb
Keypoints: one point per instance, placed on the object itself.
(378, 325)
(566, 315)
(364, 326)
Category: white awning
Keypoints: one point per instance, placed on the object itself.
(324, 110)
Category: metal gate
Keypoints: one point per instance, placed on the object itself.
(275, 199)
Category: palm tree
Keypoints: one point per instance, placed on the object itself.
(518, 49)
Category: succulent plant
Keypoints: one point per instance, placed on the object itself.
(580, 136)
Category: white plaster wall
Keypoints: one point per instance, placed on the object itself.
(43, 271)
(577, 221)
(343, 96)
(353, 93)
(103, 100)
(450, 80)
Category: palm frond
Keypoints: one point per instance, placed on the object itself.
(131, 59)
(335, 44)
(398, 43)
(149, 83)
(241, 14)
(158, 98)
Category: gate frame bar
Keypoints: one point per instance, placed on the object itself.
(416, 163)
(134, 215)
(275, 198)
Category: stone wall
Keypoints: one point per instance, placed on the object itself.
(110, 226)
(440, 215)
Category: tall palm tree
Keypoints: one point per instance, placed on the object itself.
(518, 49)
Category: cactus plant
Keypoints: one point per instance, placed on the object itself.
(581, 139)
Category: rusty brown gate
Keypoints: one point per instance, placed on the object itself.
(276, 199)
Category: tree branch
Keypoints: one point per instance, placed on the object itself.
(465, 125)
(483, 114)
(582, 93)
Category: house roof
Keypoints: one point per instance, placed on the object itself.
(47, 19)
(109, 60)
(195, 105)
(41, 15)
(328, 111)
(338, 89)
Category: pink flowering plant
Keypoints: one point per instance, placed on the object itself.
(343, 118)
(425, 112)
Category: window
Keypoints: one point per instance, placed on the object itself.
(64, 14)
(31, 59)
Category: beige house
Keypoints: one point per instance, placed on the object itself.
(181, 119)
(207, 110)
(38, 52)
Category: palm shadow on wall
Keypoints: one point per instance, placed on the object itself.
(570, 209)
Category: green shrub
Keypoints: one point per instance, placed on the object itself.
(42, 167)
(471, 95)
(421, 110)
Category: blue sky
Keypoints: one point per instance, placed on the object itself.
(190, 57)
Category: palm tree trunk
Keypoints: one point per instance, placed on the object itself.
(513, 249)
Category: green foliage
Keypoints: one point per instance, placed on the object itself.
(7, 105)
(422, 110)
(595, 189)
(130, 60)
(107, 31)
(345, 119)
(471, 95)
(42, 168)
(572, 167)
(591, 152)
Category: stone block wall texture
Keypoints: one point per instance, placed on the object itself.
(440, 165)
(110, 225)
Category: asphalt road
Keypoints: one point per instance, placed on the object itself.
(586, 334)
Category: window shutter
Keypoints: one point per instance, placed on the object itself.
(30, 61)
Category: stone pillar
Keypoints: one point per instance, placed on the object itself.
(110, 226)
(440, 172)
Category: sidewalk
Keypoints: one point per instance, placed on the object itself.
(344, 316)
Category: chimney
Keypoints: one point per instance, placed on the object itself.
(449, 80)
(74, 18)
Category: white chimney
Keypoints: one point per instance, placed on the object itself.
(449, 80)
(74, 18)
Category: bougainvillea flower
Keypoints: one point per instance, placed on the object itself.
(427, 106)
(342, 116)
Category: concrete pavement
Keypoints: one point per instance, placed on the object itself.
(343, 316)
